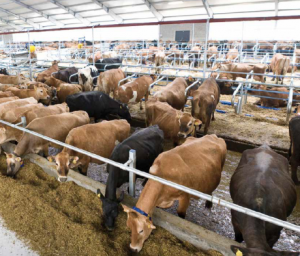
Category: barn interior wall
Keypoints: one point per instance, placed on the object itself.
(167, 32)
(6, 38)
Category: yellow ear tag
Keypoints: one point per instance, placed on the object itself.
(239, 253)
(50, 160)
(74, 161)
(99, 195)
(149, 226)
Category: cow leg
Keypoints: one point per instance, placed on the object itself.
(237, 234)
(213, 116)
(184, 202)
(141, 105)
(294, 167)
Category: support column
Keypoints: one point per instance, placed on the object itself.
(205, 51)
(93, 46)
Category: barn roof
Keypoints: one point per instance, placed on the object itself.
(23, 15)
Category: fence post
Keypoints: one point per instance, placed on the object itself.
(289, 105)
(23, 120)
(132, 176)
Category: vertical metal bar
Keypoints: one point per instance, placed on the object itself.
(93, 46)
(158, 43)
(132, 176)
(289, 105)
(205, 51)
(242, 42)
(193, 35)
(59, 50)
(30, 68)
(24, 122)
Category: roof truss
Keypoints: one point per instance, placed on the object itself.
(51, 19)
(110, 12)
(153, 10)
(11, 24)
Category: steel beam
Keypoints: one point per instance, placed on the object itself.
(74, 14)
(51, 19)
(109, 11)
(34, 25)
(276, 7)
(11, 24)
(208, 9)
(153, 10)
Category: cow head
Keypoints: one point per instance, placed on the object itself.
(63, 163)
(140, 226)
(110, 209)
(14, 163)
(123, 112)
(187, 125)
(42, 93)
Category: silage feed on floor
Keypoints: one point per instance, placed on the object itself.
(65, 219)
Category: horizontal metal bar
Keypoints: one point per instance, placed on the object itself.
(194, 192)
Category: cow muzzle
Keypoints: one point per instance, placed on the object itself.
(62, 179)
(181, 135)
(135, 249)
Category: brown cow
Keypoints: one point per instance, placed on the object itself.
(196, 164)
(63, 89)
(108, 81)
(7, 99)
(279, 65)
(232, 54)
(41, 77)
(135, 91)
(39, 93)
(14, 115)
(205, 101)
(5, 79)
(159, 59)
(100, 139)
(174, 93)
(175, 124)
(64, 123)
(4, 107)
(211, 51)
(47, 111)
(267, 102)
(97, 56)
(6, 94)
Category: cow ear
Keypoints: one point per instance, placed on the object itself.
(18, 159)
(178, 115)
(58, 89)
(51, 159)
(2, 129)
(197, 122)
(150, 224)
(126, 208)
(74, 159)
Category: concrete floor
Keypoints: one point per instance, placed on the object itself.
(10, 245)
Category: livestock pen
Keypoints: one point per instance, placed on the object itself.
(240, 119)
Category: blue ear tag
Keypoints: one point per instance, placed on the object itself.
(22, 164)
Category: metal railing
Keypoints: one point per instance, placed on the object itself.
(193, 192)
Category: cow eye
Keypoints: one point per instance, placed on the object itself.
(141, 231)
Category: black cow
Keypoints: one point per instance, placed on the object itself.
(148, 144)
(294, 152)
(65, 74)
(105, 64)
(3, 71)
(261, 183)
(98, 105)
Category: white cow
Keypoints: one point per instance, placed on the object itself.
(85, 77)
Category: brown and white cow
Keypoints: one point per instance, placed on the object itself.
(64, 123)
(100, 139)
(175, 124)
(41, 77)
(182, 165)
(39, 93)
(135, 91)
(279, 65)
(205, 101)
(173, 93)
(108, 81)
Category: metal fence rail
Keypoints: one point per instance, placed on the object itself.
(196, 193)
